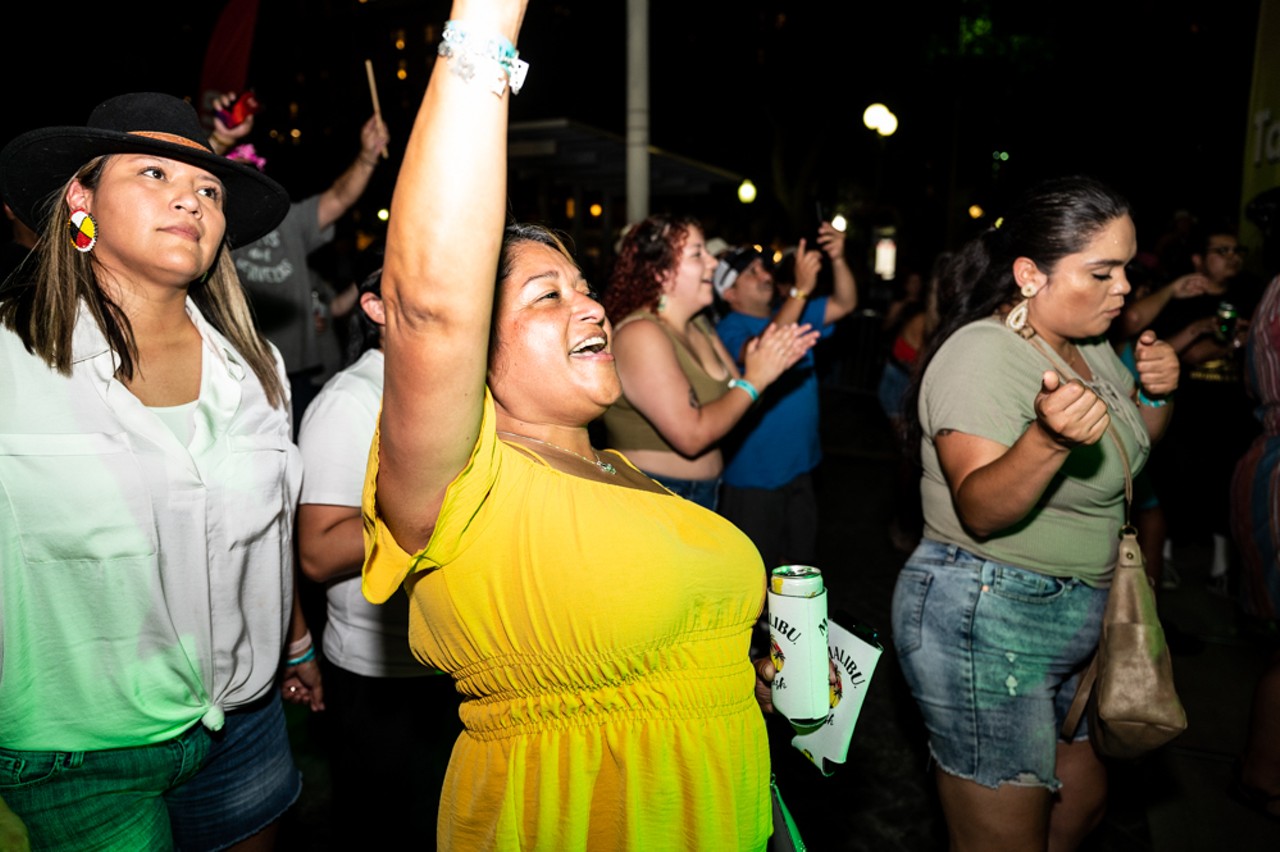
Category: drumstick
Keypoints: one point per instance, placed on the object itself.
(373, 93)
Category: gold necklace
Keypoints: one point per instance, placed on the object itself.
(598, 462)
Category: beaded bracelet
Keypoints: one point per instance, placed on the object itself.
(306, 657)
(744, 385)
(1143, 399)
(297, 646)
(493, 58)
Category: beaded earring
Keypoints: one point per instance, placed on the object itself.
(1017, 318)
(82, 228)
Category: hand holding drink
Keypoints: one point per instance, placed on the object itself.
(798, 644)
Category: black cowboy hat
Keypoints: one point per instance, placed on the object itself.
(35, 166)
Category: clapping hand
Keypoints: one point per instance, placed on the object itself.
(775, 350)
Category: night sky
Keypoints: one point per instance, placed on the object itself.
(1148, 95)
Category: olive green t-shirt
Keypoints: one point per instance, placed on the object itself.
(983, 382)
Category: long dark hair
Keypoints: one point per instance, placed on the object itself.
(43, 310)
(1052, 220)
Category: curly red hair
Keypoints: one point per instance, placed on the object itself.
(649, 251)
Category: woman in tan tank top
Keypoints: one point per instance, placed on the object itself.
(682, 392)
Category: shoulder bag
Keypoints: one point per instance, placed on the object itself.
(1127, 690)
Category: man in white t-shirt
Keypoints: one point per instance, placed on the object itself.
(392, 722)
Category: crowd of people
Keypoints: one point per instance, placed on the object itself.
(530, 642)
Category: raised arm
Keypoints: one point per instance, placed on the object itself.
(808, 265)
(844, 288)
(438, 281)
(351, 184)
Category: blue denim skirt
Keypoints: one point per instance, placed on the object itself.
(201, 790)
(992, 654)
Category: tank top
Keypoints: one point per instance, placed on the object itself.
(627, 428)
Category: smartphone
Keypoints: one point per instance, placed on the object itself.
(245, 105)
(817, 225)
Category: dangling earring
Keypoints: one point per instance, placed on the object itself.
(82, 228)
(662, 302)
(1017, 318)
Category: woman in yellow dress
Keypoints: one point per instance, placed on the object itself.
(596, 625)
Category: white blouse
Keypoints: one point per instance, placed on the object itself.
(145, 584)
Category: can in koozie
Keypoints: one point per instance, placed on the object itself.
(798, 644)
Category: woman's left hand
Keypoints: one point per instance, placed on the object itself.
(1157, 365)
(765, 673)
(301, 685)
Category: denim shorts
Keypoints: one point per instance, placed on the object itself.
(992, 654)
(704, 492)
(197, 791)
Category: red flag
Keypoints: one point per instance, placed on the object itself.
(226, 60)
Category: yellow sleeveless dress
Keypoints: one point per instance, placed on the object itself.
(599, 635)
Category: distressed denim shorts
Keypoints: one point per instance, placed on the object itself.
(992, 654)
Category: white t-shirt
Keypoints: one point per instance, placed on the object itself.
(145, 584)
(337, 429)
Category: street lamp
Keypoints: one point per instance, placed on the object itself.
(877, 117)
(747, 192)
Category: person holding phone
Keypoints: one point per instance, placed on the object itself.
(768, 488)
(274, 270)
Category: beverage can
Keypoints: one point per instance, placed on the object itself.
(1228, 318)
(798, 644)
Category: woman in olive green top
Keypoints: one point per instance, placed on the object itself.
(681, 391)
(1000, 606)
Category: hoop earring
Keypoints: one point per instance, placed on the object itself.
(662, 302)
(82, 229)
(1017, 318)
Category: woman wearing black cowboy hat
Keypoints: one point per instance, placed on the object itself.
(148, 485)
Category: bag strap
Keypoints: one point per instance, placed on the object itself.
(787, 835)
(1034, 340)
(1072, 721)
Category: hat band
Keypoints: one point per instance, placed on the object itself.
(171, 137)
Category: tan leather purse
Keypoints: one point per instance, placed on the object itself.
(1128, 688)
